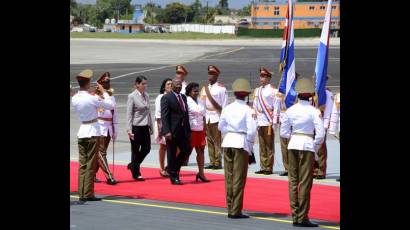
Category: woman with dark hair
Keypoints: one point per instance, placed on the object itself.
(196, 112)
(139, 126)
(166, 87)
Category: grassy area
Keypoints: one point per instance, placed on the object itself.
(176, 36)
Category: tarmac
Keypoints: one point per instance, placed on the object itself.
(156, 60)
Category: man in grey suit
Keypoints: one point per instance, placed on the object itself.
(139, 126)
(176, 129)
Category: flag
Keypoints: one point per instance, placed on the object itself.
(322, 59)
(287, 60)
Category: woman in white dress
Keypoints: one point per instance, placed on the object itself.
(166, 87)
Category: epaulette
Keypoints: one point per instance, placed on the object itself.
(220, 84)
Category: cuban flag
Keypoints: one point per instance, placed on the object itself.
(322, 59)
(287, 60)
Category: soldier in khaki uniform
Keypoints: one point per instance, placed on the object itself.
(215, 97)
(263, 102)
(86, 106)
(303, 126)
(108, 120)
(239, 130)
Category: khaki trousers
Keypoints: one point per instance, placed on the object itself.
(266, 148)
(321, 163)
(300, 174)
(236, 169)
(87, 148)
(284, 149)
(102, 157)
(213, 137)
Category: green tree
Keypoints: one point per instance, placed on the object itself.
(175, 13)
(245, 11)
(196, 11)
(153, 11)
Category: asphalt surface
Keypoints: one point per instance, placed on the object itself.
(157, 61)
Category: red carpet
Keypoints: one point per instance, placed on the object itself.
(261, 195)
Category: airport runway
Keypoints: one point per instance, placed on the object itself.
(156, 61)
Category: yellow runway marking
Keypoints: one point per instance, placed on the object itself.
(199, 211)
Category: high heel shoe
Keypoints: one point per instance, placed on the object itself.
(203, 179)
(163, 173)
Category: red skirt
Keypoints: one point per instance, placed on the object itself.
(198, 138)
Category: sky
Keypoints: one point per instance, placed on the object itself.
(233, 4)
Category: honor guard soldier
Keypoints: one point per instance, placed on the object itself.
(263, 102)
(277, 119)
(239, 130)
(108, 120)
(215, 97)
(181, 73)
(320, 170)
(303, 125)
(86, 106)
(334, 126)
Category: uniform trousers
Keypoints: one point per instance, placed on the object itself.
(213, 137)
(322, 160)
(266, 148)
(300, 175)
(102, 156)
(87, 148)
(236, 169)
(284, 149)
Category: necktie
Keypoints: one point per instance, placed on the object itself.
(181, 104)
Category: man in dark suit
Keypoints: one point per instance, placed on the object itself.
(176, 129)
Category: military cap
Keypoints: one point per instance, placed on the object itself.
(304, 85)
(85, 74)
(101, 79)
(212, 70)
(181, 69)
(241, 85)
(265, 72)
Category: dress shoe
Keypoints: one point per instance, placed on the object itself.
(284, 174)
(96, 180)
(320, 177)
(203, 179)
(216, 167)
(260, 172)
(268, 172)
(139, 178)
(111, 181)
(209, 167)
(90, 199)
(175, 181)
(239, 216)
(307, 223)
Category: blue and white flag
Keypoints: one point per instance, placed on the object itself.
(287, 60)
(322, 59)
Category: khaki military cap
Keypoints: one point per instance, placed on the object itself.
(264, 72)
(241, 85)
(305, 85)
(86, 74)
(213, 70)
(181, 69)
(101, 79)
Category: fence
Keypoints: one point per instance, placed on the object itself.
(209, 29)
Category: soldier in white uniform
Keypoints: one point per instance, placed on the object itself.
(108, 120)
(280, 110)
(215, 97)
(303, 125)
(320, 170)
(86, 106)
(180, 74)
(263, 102)
(239, 130)
(334, 126)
